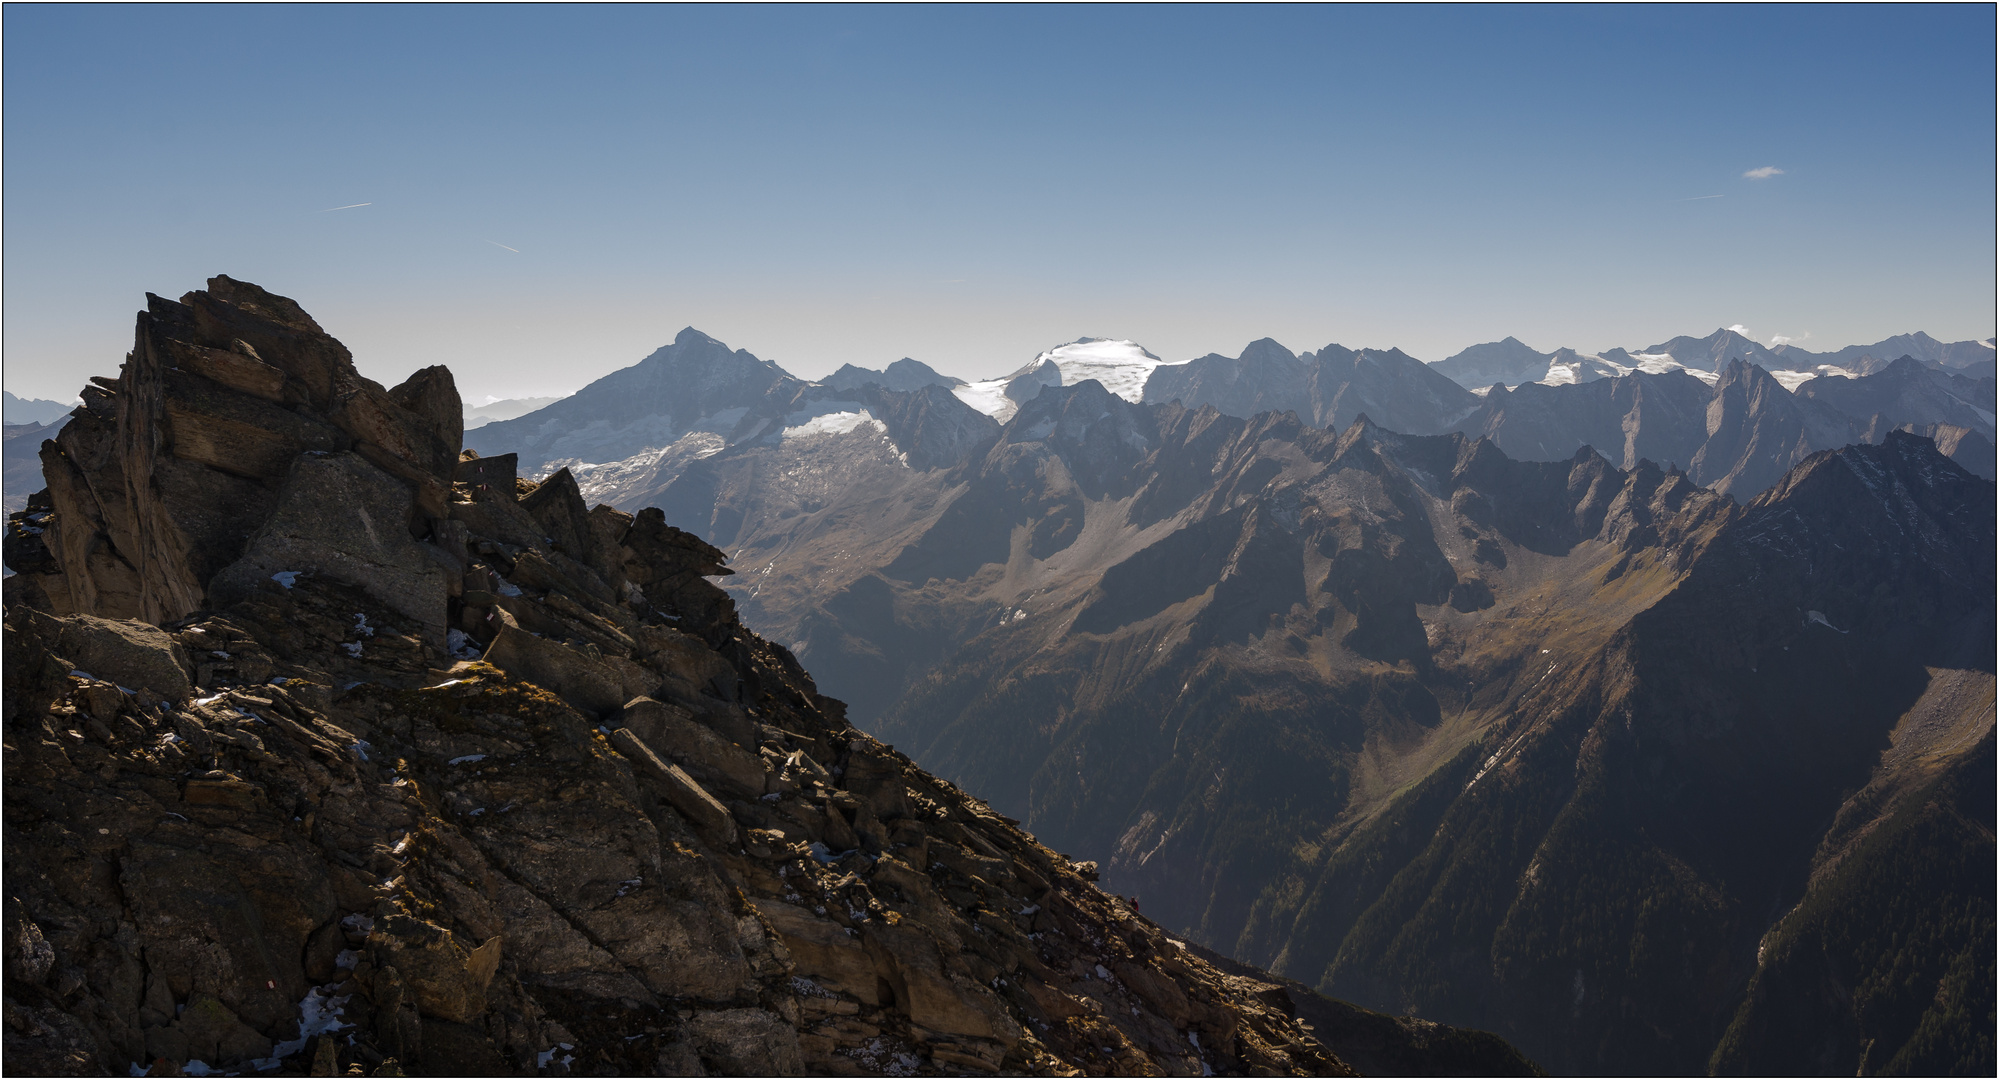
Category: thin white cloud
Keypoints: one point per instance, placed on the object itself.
(1764, 173)
(497, 244)
(349, 206)
(1740, 329)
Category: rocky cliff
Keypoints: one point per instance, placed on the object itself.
(332, 750)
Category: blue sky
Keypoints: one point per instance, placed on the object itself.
(554, 192)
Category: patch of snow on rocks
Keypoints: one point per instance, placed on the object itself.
(1791, 380)
(461, 645)
(834, 423)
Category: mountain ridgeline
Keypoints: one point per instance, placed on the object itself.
(1641, 713)
(1734, 420)
(1595, 713)
(332, 750)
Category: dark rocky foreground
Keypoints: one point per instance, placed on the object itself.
(331, 751)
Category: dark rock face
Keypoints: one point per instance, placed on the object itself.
(1639, 417)
(1267, 377)
(931, 427)
(904, 374)
(290, 827)
(1756, 430)
(1329, 388)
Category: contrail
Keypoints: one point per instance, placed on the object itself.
(349, 206)
(497, 244)
(1698, 198)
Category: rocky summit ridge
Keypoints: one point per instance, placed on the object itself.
(330, 749)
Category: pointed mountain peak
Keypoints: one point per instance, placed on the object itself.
(691, 336)
(909, 370)
(1266, 350)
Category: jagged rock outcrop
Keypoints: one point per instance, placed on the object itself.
(158, 483)
(595, 826)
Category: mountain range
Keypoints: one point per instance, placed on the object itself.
(1510, 362)
(332, 750)
(1643, 719)
(1734, 424)
(34, 410)
(1419, 682)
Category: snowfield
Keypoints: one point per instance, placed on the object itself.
(833, 423)
(1121, 366)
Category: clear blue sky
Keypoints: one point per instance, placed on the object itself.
(556, 191)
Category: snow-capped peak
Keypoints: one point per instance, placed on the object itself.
(1122, 366)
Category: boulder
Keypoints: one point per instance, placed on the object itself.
(238, 368)
(557, 503)
(938, 1000)
(497, 515)
(431, 395)
(29, 956)
(446, 979)
(824, 952)
(707, 756)
(208, 1031)
(239, 434)
(132, 654)
(400, 443)
(701, 809)
(272, 327)
(341, 517)
(570, 674)
(745, 1042)
(496, 473)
